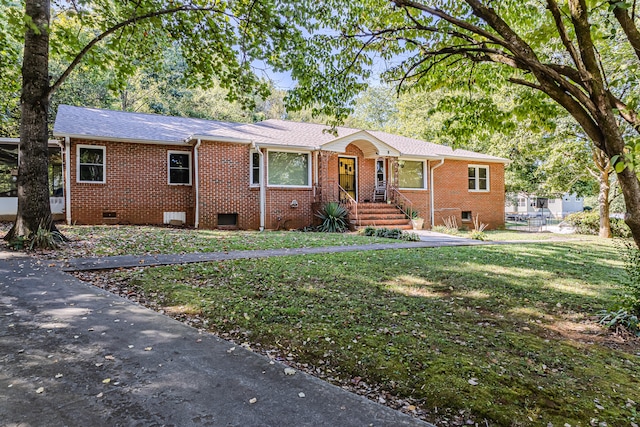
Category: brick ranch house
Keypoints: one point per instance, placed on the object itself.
(132, 168)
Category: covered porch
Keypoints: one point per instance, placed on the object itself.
(365, 174)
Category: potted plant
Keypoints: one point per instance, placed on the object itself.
(416, 221)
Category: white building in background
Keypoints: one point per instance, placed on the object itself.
(527, 205)
(9, 174)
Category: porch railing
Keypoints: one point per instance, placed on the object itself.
(350, 202)
(402, 202)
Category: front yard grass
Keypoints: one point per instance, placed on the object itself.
(499, 335)
(108, 240)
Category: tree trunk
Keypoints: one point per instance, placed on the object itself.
(603, 202)
(34, 209)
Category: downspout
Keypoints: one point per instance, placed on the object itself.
(67, 179)
(263, 188)
(433, 209)
(315, 174)
(197, 183)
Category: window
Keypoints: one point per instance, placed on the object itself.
(8, 170)
(179, 168)
(288, 169)
(411, 174)
(466, 216)
(522, 202)
(255, 168)
(91, 162)
(478, 178)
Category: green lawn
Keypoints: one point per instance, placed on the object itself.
(105, 240)
(502, 335)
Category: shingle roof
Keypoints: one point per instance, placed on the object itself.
(118, 125)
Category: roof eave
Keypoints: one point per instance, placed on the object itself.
(220, 139)
(478, 159)
(115, 139)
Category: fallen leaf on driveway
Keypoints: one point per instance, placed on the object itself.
(253, 400)
(289, 371)
(40, 390)
(148, 348)
(58, 375)
(106, 381)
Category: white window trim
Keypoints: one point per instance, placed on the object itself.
(309, 172)
(425, 185)
(104, 164)
(252, 166)
(477, 167)
(169, 153)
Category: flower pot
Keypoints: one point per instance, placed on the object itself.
(417, 223)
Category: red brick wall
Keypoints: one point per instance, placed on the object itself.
(136, 187)
(280, 214)
(224, 185)
(452, 196)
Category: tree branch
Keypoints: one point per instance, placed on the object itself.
(628, 26)
(63, 77)
(552, 5)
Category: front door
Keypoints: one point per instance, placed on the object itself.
(347, 171)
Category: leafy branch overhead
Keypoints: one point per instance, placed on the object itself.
(218, 40)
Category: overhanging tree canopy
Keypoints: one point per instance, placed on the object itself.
(582, 54)
(216, 39)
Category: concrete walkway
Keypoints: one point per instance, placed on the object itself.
(427, 240)
(72, 354)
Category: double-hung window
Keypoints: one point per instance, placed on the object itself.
(91, 163)
(179, 168)
(288, 169)
(254, 173)
(478, 178)
(411, 174)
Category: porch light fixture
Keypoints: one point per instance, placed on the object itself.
(294, 204)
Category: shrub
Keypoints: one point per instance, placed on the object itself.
(478, 235)
(444, 229)
(589, 223)
(584, 222)
(391, 233)
(626, 315)
(43, 238)
(334, 218)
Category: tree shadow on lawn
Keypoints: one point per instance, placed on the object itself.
(476, 329)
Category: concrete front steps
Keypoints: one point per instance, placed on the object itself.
(379, 215)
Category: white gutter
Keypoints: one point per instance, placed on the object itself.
(433, 210)
(263, 187)
(67, 179)
(196, 173)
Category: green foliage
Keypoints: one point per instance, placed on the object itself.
(588, 222)
(334, 218)
(445, 230)
(42, 238)
(478, 235)
(631, 299)
(412, 213)
(391, 233)
(620, 319)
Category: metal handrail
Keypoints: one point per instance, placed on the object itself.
(353, 204)
(401, 206)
